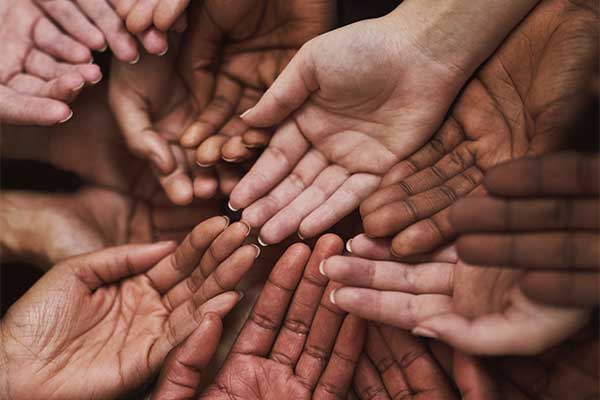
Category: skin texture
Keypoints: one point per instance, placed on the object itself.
(546, 224)
(235, 51)
(120, 311)
(310, 351)
(520, 103)
(42, 69)
(447, 299)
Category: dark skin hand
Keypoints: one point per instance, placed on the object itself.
(235, 51)
(309, 353)
(121, 311)
(546, 223)
(520, 103)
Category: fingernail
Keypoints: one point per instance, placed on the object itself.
(136, 60)
(157, 161)
(163, 52)
(300, 236)
(231, 207)
(261, 242)
(227, 221)
(66, 119)
(78, 88)
(247, 226)
(96, 81)
(229, 160)
(245, 114)
(241, 294)
(321, 268)
(424, 332)
(203, 165)
(103, 49)
(257, 250)
(332, 296)
(349, 246)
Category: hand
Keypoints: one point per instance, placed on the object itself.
(348, 122)
(105, 322)
(523, 101)
(274, 358)
(234, 51)
(545, 218)
(41, 69)
(452, 301)
(165, 15)
(96, 24)
(45, 229)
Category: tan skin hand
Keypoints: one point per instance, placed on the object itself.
(521, 102)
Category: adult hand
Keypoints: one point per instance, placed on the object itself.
(309, 353)
(345, 96)
(42, 69)
(234, 51)
(522, 102)
(545, 220)
(451, 301)
(105, 322)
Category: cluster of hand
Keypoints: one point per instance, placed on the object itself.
(479, 236)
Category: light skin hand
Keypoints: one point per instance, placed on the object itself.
(133, 305)
(449, 300)
(42, 68)
(309, 353)
(518, 104)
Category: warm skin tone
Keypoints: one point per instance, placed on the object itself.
(381, 87)
(546, 223)
(42, 69)
(120, 311)
(308, 350)
(522, 102)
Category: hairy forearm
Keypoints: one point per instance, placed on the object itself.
(460, 34)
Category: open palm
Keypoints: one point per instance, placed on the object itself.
(116, 314)
(350, 106)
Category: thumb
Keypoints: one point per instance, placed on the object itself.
(289, 91)
(117, 263)
(20, 109)
(182, 372)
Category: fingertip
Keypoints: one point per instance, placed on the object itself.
(180, 193)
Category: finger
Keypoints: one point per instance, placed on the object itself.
(209, 152)
(183, 369)
(402, 310)
(229, 176)
(178, 186)
(298, 321)
(111, 24)
(64, 88)
(457, 161)
(45, 67)
(321, 339)
(69, 16)
(393, 217)
(345, 200)
(215, 114)
(117, 263)
(140, 15)
(260, 330)
(384, 275)
(551, 250)
(367, 381)
(181, 263)
(49, 39)
(302, 176)
(168, 12)
(566, 174)
(562, 289)
(19, 109)
(473, 381)
(285, 150)
(289, 91)
(173, 218)
(508, 333)
(287, 220)
(495, 215)
(154, 41)
(337, 377)
(206, 183)
(184, 320)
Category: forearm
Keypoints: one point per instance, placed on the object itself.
(457, 33)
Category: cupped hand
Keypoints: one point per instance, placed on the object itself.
(295, 344)
(42, 69)
(101, 325)
(475, 310)
(351, 104)
(235, 50)
(522, 102)
(546, 222)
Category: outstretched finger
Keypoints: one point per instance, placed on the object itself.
(19, 109)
